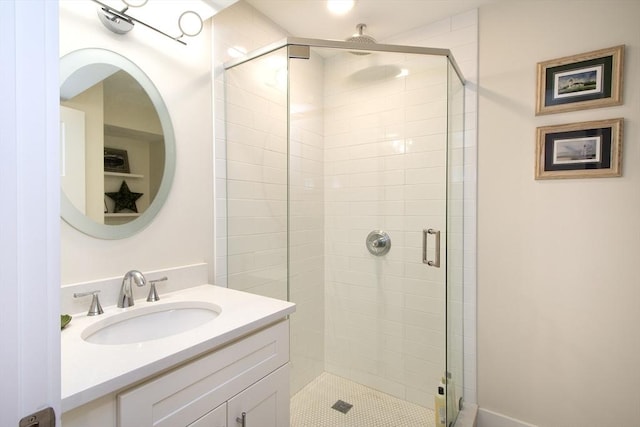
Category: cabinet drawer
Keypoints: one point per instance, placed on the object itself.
(190, 391)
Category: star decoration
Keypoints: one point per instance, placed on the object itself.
(125, 198)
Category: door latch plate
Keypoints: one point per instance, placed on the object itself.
(43, 418)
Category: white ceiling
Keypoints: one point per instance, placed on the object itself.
(384, 18)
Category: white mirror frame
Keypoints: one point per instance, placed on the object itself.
(71, 63)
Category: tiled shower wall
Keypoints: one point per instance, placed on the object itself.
(256, 149)
(307, 223)
(242, 26)
(258, 216)
(237, 27)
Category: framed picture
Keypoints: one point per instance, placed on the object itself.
(580, 150)
(116, 160)
(587, 80)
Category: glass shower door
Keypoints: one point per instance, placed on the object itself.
(455, 244)
(373, 127)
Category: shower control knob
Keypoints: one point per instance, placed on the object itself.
(378, 242)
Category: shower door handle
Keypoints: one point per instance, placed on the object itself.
(425, 236)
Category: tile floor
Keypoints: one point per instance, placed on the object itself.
(312, 406)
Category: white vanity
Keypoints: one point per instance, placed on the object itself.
(232, 369)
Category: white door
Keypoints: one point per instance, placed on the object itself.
(30, 215)
(264, 404)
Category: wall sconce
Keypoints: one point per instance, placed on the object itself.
(120, 22)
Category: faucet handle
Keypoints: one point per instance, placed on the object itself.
(95, 308)
(153, 294)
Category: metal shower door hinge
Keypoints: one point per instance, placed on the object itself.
(299, 51)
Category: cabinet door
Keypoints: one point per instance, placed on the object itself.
(264, 404)
(215, 418)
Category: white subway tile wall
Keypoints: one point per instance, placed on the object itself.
(367, 153)
(256, 172)
(306, 220)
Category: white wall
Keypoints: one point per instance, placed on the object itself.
(558, 294)
(182, 232)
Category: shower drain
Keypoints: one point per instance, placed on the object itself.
(342, 406)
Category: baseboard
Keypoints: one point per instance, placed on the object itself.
(487, 418)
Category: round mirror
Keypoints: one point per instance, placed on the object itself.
(117, 145)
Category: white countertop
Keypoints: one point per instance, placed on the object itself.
(90, 371)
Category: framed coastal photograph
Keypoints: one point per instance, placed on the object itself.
(587, 80)
(116, 160)
(580, 150)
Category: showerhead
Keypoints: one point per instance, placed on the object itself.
(360, 37)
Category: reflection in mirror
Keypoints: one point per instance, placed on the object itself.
(121, 130)
(117, 146)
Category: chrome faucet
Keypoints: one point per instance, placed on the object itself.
(125, 299)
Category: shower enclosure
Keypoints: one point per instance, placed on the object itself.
(344, 194)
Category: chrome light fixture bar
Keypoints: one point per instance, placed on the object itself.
(120, 22)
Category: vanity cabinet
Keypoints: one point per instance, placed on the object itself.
(249, 375)
(264, 404)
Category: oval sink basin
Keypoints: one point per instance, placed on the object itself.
(150, 322)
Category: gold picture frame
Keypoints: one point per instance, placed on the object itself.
(580, 150)
(578, 82)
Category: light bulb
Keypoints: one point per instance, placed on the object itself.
(340, 7)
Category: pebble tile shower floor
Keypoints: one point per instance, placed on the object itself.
(312, 406)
